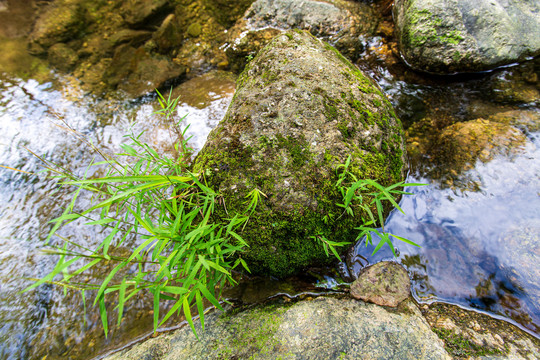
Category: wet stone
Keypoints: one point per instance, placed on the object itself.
(321, 328)
(385, 283)
(285, 133)
(62, 57)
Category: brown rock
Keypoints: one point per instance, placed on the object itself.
(386, 283)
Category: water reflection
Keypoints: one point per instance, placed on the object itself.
(479, 249)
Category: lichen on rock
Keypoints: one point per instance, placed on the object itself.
(299, 111)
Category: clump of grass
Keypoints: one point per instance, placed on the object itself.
(186, 253)
(359, 197)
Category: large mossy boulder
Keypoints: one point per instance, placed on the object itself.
(446, 36)
(300, 109)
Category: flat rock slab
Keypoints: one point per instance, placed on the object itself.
(386, 283)
(323, 328)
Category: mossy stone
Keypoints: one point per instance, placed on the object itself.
(194, 30)
(466, 36)
(281, 135)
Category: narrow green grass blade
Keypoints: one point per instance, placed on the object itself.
(61, 266)
(156, 308)
(140, 248)
(121, 300)
(405, 240)
(187, 314)
(103, 313)
(107, 280)
(200, 307)
(209, 296)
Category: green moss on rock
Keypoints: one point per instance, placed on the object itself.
(287, 141)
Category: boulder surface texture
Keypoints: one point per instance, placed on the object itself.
(386, 283)
(300, 109)
(324, 328)
(344, 24)
(447, 36)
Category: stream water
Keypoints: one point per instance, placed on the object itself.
(479, 226)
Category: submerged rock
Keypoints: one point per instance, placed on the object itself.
(299, 111)
(137, 72)
(449, 152)
(134, 45)
(386, 283)
(60, 21)
(62, 57)
(227, 12)
(324, 328)
(447, 36)
(473, 335)
(141, 13)
(464, 143)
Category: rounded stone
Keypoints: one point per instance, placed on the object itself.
(62, 57)
(386, 283)
(447, 36)
(194, 30)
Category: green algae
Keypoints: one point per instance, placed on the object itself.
(460, 347)
(252, 332)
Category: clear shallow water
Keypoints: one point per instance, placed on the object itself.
(479, 249)
(478, 222)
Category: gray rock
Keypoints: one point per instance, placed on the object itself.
(344, 24)
(386, 283)
(318, 17)
(324, 328)
(447, 36)
(300, 109)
